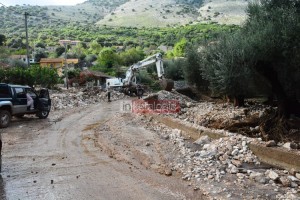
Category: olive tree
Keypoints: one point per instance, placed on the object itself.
(192, 68)
(226, 67)
(273, 33)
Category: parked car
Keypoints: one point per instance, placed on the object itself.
(13, 102)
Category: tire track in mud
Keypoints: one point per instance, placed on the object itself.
(119, 139)
(109, 147)
(107, 137)
(120, 142)
(93, 142)
(72, 127)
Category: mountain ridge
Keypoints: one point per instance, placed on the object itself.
(137, 13)
(121, 13)
(157, 13)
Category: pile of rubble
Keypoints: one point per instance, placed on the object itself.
(215, 160)
(79, 97)
(183, 100)
(213, 114)
(206, 159)
(180, 85)
(204, 113)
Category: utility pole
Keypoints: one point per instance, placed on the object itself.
(27, 46)
(66, 64)
(65, 43)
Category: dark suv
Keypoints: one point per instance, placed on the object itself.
(13, 102)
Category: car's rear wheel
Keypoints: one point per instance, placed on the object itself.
(43, 114)
(5, 118)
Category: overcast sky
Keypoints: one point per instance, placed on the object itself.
(41, 2)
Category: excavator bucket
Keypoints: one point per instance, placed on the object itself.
(167, 84)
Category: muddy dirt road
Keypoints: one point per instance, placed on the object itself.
(76, 155)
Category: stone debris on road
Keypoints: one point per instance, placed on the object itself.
(184, 101)
(214, 161)
(80, 97)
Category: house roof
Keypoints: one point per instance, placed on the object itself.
(58, 60)
(18, 56)
(75, 61)
(51, 60)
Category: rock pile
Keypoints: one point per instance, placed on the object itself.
(214, 160)
(180, 84)
(206, 159)
(183, 100)
(204, 113)
(73, 97)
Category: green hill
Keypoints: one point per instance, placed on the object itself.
(88, 20)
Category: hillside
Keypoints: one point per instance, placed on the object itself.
(88, 12)
(223, 11)
(133, 13)
(54, 16)
(157, 13)
(85, 21)
(153, 13)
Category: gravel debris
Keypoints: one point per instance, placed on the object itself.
(80, 97)
(206, 160)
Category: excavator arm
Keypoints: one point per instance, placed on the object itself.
(157, 59)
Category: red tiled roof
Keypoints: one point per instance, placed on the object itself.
(51, 60)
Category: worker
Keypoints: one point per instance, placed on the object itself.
(29, 101)
(108, 92)
(139, 91)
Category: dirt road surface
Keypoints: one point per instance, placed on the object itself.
(86, 153)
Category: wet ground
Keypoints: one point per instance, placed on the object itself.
(77, 155)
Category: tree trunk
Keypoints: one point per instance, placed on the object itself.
(229, 99)
(239, 101)
(286, 105)
(276, 126)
